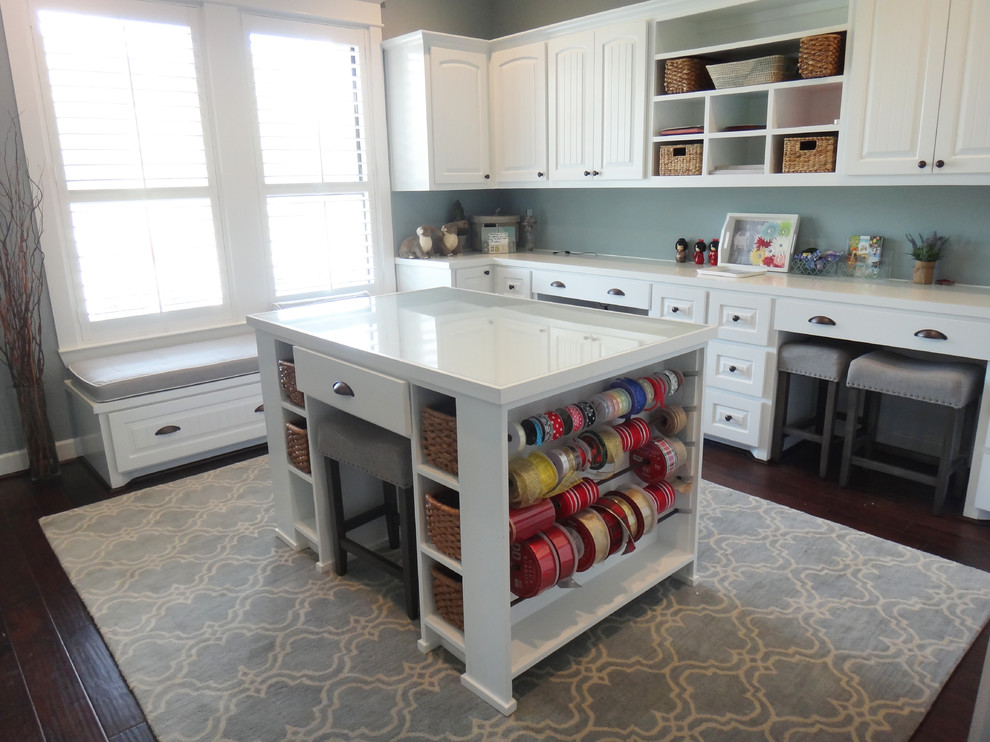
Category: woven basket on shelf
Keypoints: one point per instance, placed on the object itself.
(685, 75)
(448, 596)
(440, 438)
(821, 55)
(287, 378)
(443, 522)
(680, 159)
(759, 71)
(297, 445)
(809, 154)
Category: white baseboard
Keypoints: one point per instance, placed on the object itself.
(17, 461)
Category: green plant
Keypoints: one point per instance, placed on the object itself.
(927, 249)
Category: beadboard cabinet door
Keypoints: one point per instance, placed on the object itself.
(920, 88)
(519, 114)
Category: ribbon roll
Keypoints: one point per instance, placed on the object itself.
(530, 520)
(574, 500)
(594, 535)
(516, 437)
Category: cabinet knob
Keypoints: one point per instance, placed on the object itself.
(558, 285)
(342, 388)
(168, 430)
(732, 369)
(616, 292)
(675, 310)
(488, 272)
(922, 164)
(820, 319)
(539, 175)
(939, 164)
(259, 408)
(488, 176)
(587, 172)
(728, 418)
(931, 335)
(595, 172)
(736, 318)
(512, 287)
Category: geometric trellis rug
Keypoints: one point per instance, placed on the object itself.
(797, 629)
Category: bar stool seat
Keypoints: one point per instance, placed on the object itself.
(826, 361)
(948, 383)
(386, 456)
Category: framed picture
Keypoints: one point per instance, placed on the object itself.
(759, 240)
(864, 255)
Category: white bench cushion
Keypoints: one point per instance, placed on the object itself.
(144, 372)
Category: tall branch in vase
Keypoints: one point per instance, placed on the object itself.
(22, 283)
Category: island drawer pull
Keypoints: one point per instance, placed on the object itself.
(558, 285)
(931, 335)
(820, 319)
(342, 388)
(616, 292)
(168, 430)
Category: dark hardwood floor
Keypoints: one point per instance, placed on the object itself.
(58, 681)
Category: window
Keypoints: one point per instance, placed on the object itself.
(200, 162)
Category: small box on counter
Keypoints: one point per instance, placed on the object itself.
(494, 234)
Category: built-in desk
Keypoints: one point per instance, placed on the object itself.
(753, 317)
(495, 361)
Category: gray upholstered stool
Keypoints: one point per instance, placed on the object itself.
(827, 362)
(387, 456)
(947, 383)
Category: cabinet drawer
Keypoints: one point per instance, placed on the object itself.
(898, 329)
(621, 292)
(679, 303)
(737, 367)
(169, 431)
(377, 398)
(512, 282)
(744, 318)
(733, 417)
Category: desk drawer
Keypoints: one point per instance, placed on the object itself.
(737, 367)
(679, 303)
(621, 292)
(168, 431)
(733, 417)
(744, 318)
(377, 398)
(960, 337)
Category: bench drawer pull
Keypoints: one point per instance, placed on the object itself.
(342, 388)
(931, 335)
(259, 408)
(168, 430)
(820, 319)
(616, 292)
(558, 284)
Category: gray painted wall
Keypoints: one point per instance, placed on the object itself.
(473, 18)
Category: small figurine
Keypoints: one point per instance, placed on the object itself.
(451, 243)
(699, 252)
(527, 232)
(713, 252)
(421, 244)
(681, 247)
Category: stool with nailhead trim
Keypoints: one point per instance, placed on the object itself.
(950, 384)
(387, 456)
(825, 361)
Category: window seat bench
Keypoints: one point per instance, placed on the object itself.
(142, 412)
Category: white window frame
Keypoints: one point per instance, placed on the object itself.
(233, 149)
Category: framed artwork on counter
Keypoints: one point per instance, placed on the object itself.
(760, 240)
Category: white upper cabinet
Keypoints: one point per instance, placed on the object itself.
(919, 98)
(519, 114)
(438, 123)
(597, 103)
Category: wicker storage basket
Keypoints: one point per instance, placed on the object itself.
(685, 75)
(759, 71)
(287, 378)
(448, 597)
(297, 445)
(821, 55)
(680, 159)
(443, 522)
(440, 437)
(809, 154)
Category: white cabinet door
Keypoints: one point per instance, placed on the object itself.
(919, 100)
(571, 114)
(459, 108)
(481, 278)
(519, 113)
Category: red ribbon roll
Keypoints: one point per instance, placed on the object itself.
(528, 521)
(574, 500)
(649, 462)
(532, 567)
(566, 554)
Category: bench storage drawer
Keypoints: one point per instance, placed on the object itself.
(622, 292)
(733, 417)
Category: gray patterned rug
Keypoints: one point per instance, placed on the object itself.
(798, 629)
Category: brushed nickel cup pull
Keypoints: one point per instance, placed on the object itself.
(616, 292)
(820, 319)
(931, 335)
(259, 408)
(558, 285)
(168, 430)
(342, 388)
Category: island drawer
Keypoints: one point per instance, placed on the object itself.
(623, 292)
(369, 395)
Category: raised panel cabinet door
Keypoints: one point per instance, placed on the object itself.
(620, 90)
(519, 113)
(481, 278)
(571, 98)
(963, 139)
(459, 113)
(895, 84)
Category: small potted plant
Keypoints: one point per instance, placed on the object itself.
(926, 251)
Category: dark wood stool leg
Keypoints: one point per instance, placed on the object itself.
(847, 444)
(780, 414)
(410, 572)
(336, 517)
(828, 426)
(390, 491)
(947, 461)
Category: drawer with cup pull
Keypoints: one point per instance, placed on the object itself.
(369, 395)
(623, 292)
(911, 330)
(744, 318)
